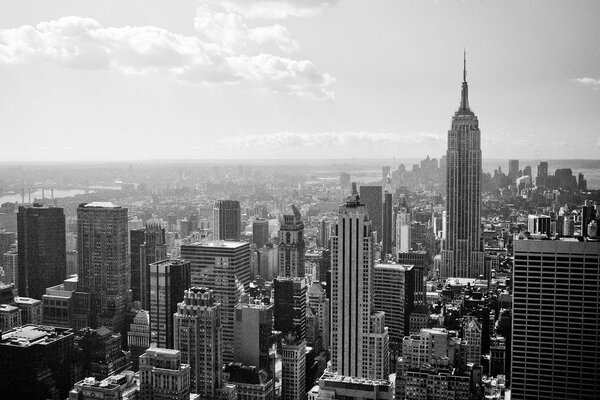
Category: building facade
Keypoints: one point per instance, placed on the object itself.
(291, 245)
(227, 220)
(163, 376)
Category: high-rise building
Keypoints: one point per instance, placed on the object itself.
(462, 256)
(291, 245)
(227, 220)
(37, 362)
(253, 335)
(359, 339)
(345, 182)
(318, 301)
(42, 247)
(199, 337)
(10, 317)
(31, 310)
(223, 267)
(163, 376)
(168, 281)
(542, 174)
(393, 293)
(103, 286)
(387, 215)
(556, 293)
(136, 240)
(289, 312)
(372, 197)
(58, 305)
(260, 232)
(513, 169)
(152, 250)
(251, 382)
(10, 264)
(138, 337)
(293, 369)
(6, 241)
(472, 333)
(119, 386)
(102, 352)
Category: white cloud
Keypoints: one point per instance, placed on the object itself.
(275, 9)
(282, 140)
(225, 50)
(591, 82)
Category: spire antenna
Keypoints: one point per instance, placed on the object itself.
(465, 65)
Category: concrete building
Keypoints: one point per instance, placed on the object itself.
(136, 240)
(42, 247)
(291, 245)
(355, 327)
(403, 227)
(224, 268)
(227, 220)
(10, 265)
(37, 362)
(318, 301)
(472, 333)
(10, 317)
(163, 376)
(58, 303)
(152, 250)
(31, 310)
(293, 369)
(168, 279)
(138, 337)
(335, 386)
(123, 386)
(463, 255)
(251, 382)
(436, 383)
(387, 216)
(253, 335)
(260, 232)
(289, 312)
(103, 287)
(556, 292)
(372, 198)
(102, 352)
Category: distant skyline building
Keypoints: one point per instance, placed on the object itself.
(513, 169)
(556, 292)
(403, 227)
(136, 240)
(103, 286)
(169, 279)
(387, 216)
(291, 245)
(372, 197)
(152, 250)
(359, 339)
(260, 232)
(41, 249)
(227, 220)
(462, 256)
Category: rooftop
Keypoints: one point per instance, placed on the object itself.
(28, 335)
(227, 244)
(100, 204)
(26, 300)
(329, 376)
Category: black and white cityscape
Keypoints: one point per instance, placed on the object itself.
(295, 200)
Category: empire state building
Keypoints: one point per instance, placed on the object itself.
(462, 256)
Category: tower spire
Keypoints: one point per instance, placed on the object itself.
(464, 98)
(465, 65)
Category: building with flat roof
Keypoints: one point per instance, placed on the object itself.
(252, 383)
(31, 310)
(335, 386)
(163, 376)
(10, 316)
(57, 303)
(253, 335)
(123, 386)
(227, 217)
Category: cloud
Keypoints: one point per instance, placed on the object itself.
(590, 82)
(283, 140)
(275, 9)
(226, 50)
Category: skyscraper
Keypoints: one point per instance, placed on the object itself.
(138, 337)
(387, 215)
(555, 351)
(513, 169)
(253, 334)
(223, 267)
(136, 240)
(289, 297)
(291, 245)
(462, 255)
(260, 232)
(359, 340)
(227, 220)
(168, 281)
(42, 249)
(163, 376)
(199, 337)
(372, 197)
(103, 287)
(403, 228)
(293, 369)
(153, 249)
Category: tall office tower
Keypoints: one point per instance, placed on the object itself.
(513, 169)
(163, 376)
(138, 337)
(154, 249)
(355, 328)
(223, 267)
(324, 233)
(103, 286)
(168, 281)
(472, 333)
(136, 240)
(6, 240)
(291, 244)
(260, 232)
(542, 174)
(345, 182)
(37, 362)
(199, 337)
(10, 264)
(293, 369)
(227, 220)
(556, 293)
(462, 256)
(289, 312)
(318, 301)
(372, 197)
(42, 248)
(102, 352)
(253, 335)
(393, 293)
(387, 215)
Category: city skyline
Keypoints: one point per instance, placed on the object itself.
(203, 76)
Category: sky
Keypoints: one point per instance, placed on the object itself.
(114, 80)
